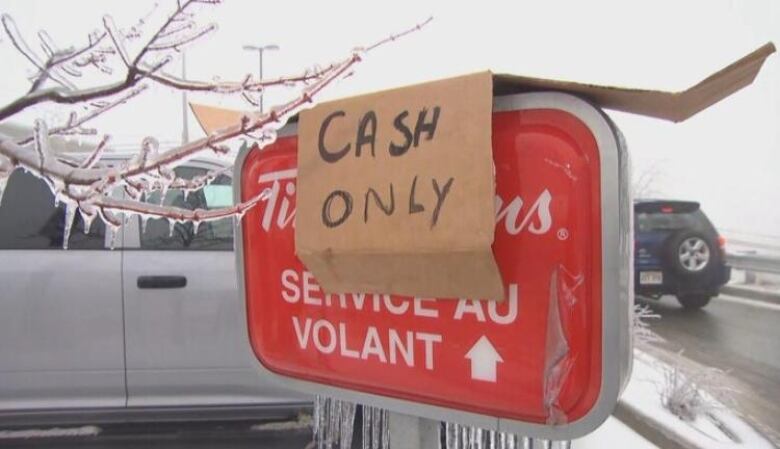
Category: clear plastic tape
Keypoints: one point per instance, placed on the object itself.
(557, 363)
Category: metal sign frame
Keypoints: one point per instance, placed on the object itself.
(616, 282)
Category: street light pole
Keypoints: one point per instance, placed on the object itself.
(185, 133)
(260, 50)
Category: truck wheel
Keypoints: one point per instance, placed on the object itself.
(694, 302)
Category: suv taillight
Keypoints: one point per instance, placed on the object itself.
(722, 242)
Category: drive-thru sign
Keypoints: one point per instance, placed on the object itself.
(549, 360)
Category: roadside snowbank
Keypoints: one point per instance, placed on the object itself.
(718, 427)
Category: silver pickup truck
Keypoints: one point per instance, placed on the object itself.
(153, 329)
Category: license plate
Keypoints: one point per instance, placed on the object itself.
(651, 277)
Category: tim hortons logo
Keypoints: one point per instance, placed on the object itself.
(514, 214)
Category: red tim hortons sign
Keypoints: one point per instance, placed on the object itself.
(548, 361)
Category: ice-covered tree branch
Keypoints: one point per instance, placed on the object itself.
(89, 187)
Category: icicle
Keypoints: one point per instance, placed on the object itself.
(367, 427)
(452, 434)
(320, 409)
(501, 442)
(70, 214)
(513, 441)
(492, 439)
(315, 418)
(171, 226)
(347, 424)
(195, 226)
(186, 193)
(473, 435)
(163, 192)
(113, 231)
(3, 183)
(528, 443)
(385, 429)
(376, 423)
(144, 221)
(87, 219)
(334, 421)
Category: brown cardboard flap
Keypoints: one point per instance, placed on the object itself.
(212, 118)
(673, 106)
(396, 191)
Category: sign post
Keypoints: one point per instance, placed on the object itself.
(549, 361)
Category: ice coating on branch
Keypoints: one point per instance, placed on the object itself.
(117, 37)
(85, 182)
(643, 335)
(177, 40)
(41, 140)
(13, 33)
(92, 159)
(149, 149)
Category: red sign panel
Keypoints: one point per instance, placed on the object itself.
(538, 357)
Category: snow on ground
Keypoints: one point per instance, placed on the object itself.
(612, 433)
(53, 432)
(717, 428)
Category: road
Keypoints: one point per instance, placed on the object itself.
(731, 333)
(193, 435)
(734, 334)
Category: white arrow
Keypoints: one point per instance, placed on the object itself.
(484, 358)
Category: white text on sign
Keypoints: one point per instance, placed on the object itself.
(403, 347)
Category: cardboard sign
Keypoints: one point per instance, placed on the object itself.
(396, 192)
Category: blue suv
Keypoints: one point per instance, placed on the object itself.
(677, 252)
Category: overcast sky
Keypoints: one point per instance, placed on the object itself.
(726, 157)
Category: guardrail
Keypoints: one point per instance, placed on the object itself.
(754, 262)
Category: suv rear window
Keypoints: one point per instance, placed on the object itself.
(670, 216)
(667, 221)
(30, 220)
